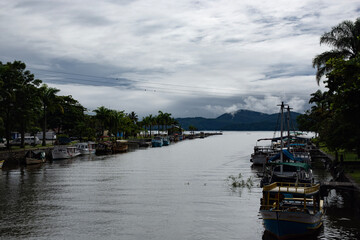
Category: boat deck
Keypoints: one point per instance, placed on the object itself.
(301, 188)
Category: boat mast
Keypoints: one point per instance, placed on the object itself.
(288, 125)
(281, 135)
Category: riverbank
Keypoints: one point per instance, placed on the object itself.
(342, 173)
(16, 157)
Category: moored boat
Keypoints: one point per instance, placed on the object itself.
(166, 141)
(291, 210)
(64, 152)
(35, 157)
(157, 142)
(261, 154)
(290, 172)
(103, 148)
(119, 146)
(86, 148)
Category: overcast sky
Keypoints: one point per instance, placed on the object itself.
(189, 58)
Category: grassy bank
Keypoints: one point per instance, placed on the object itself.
(351, 162)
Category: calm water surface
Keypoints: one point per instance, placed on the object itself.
(175, 192)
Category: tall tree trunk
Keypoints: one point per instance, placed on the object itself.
(7, 129)
(22, 134)
(44, 128)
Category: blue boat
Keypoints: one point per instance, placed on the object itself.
(157, 142)
(291, 210)
(166, 141)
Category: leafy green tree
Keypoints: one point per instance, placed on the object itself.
(344, 88)
(50, 103)
(192, 129)
(149, 121)
(103, 116)
(116, 122)
(145, 123)
(344, 38)
(68, 116)
(18, 86)
(134, 126)
(335, 112)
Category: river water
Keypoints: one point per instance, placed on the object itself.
(176, 192)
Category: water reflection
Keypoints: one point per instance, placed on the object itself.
(175, 192)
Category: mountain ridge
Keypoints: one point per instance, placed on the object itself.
(240, 120)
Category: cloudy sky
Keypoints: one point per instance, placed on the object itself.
(186, 57)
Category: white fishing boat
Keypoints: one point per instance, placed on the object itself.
(64, 152)
(86, 148)
(261, 154)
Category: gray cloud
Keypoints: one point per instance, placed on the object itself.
(191, 58)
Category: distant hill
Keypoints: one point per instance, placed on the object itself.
(240, 120)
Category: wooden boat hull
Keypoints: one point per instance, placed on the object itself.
(104, 148)
(286, 225)
(120, 148)
(30, 161)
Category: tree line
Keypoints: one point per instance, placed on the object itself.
(335, 112)
(27, 105)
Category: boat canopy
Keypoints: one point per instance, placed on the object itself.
(284, 138)
(297, 144)
(294, 164)
(305, 189)
(287, 155)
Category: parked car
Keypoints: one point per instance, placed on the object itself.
(29, 140)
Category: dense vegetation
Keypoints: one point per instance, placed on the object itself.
(29, 106)
(335, 112)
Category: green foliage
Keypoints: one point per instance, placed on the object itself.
(335, 113)
(25, 106)
(192, 129)
(19, 101)
(239, 182)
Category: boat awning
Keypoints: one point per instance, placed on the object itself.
(287, 155)
(294, 164)
(297, 144)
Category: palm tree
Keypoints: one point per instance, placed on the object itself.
(145, 122)
(134, 117)
(49, 104)
(152, 122)
(160, 121)
(320, 99)
(116, 121)
(345, 40)
(103, 116)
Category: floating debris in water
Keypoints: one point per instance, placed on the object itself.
(238, 181)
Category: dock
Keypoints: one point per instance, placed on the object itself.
(337, 185)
